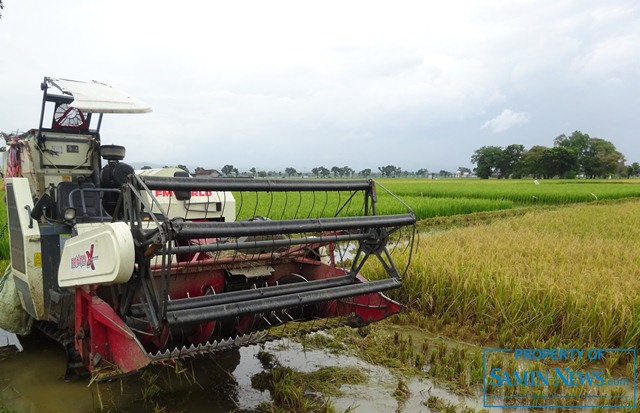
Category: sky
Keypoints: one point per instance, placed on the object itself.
(277, 84)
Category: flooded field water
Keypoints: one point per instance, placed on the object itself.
(31, 382)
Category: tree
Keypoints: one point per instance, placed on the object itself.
(493, 160)
(183, 167)
(558, 161)
(509, 159)
(228, 170)
(198, 169)
(595, 157)
(320, 171)
(600, 158)
(389, 170)
(253, 171)
(463, 171)
(346, 171)
(1, 7)
(577, 141)
(365, 173)
(291, 171)
(544, 162)
(633, 170)
(422, 172)
(530, 163)
(146, 167)
(262, 174)
(487, 159)
(571, 155)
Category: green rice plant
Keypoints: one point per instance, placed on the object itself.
(424, 207)
(151, 388)
(433, 402)
(321, 340)
(290, 389)
(381, 346)
(520, 191)
(290, 205)
(267, 359)
(328, 380)
(285, 390)
(402, 392)
(631, 371)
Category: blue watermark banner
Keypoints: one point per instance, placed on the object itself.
(558, 378)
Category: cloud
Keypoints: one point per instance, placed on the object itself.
(506, 120)
(414, 80)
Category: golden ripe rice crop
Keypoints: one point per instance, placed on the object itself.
(564, 276)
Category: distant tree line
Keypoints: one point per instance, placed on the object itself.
(570, 157)
(388, 171)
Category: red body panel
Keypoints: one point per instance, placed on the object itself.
(102, 335)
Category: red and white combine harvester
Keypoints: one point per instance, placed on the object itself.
(126, 268)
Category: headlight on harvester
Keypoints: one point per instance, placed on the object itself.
(69, 214)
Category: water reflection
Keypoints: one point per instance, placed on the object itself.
(32, 381)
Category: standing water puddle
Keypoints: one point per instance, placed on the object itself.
(31, 381)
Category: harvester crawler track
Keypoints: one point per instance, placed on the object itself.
(75, 366)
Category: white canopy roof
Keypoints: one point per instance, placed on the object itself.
(96, 97)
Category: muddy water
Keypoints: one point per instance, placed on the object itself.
(31, 381)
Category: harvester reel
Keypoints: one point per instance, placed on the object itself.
(260, 250)
(377, 244)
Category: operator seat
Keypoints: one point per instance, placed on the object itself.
(86, 201)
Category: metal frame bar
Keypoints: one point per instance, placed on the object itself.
(259, 185)
(248, 295)
(293, 300)
(190, 230)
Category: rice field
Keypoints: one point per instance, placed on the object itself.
(523, 192)
(568, 276)
(438, 198)
(540, 278)
(544, 276)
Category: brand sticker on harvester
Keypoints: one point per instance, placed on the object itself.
(86, 260)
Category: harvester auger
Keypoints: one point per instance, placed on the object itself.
(126, 268)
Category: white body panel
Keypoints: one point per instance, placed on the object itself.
(202, 204)
(31, 259)
(103, 254)
(66, 157)
(97, 97)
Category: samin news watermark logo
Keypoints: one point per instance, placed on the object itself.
(556, 378)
